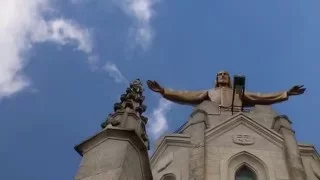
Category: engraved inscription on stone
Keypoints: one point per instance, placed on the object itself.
(243, 139)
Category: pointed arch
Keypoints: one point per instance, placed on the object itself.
(168, 176)
(245, 173)
(250, 161)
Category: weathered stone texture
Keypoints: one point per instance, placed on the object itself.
(131, 165)
(225, 142)
(174, 148)
(114, 153)
(291, 149)
(102, 159)
(219, 152)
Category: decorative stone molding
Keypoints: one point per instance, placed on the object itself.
(243, 139)
(180, 140)
(110, 133)
(128, 112)
(245, 158)
(309, 150)
(131, 101)
(238, 119)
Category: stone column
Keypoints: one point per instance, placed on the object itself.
(196, 129)
(294, 162)
(120, 150)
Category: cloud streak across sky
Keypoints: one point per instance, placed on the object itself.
(158, 118)
(22, 25)
(142, 12)
(115, 73)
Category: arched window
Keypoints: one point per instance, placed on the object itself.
(246, 166)
(244, 173)
(168, 177)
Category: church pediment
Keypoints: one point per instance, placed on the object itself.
(171, 156)
(179, 140)
(243, 130)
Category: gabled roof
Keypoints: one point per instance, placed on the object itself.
(181, 140)
(240, 118)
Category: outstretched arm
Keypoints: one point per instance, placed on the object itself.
(181, 97)
(185, 97)
(264, 99)
(271, 98)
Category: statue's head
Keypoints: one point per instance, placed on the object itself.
(223, 80)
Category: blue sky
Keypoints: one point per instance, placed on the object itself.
(65, 63)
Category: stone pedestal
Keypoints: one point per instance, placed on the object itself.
(114, 154)
(294, 161)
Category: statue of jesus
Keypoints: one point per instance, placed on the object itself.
(222, 94)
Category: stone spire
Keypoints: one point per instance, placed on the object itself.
(131, 103)
(120, 150)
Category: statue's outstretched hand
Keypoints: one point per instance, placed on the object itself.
(154, 86)
(296, 90)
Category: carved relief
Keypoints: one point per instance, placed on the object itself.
(243, 139)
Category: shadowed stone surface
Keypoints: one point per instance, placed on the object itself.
(294, 161)
(114, 153)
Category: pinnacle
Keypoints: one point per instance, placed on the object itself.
(132, 101)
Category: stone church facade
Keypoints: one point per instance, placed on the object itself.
(257, 144)
(214, 144)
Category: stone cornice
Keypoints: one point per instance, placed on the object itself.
(284, 117)
(241, 118)
(309, 150)
(111, 133)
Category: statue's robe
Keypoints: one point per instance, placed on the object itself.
(223, 96)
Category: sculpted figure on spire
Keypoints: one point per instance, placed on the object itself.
(222, 94)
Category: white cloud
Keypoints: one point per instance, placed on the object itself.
(93, 61)
(158, 120)
(142, 12)
(63, 32)
(115, 73)
(21, 25)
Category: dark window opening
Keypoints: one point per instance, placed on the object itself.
(245, 173)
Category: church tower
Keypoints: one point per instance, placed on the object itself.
(120, 150)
